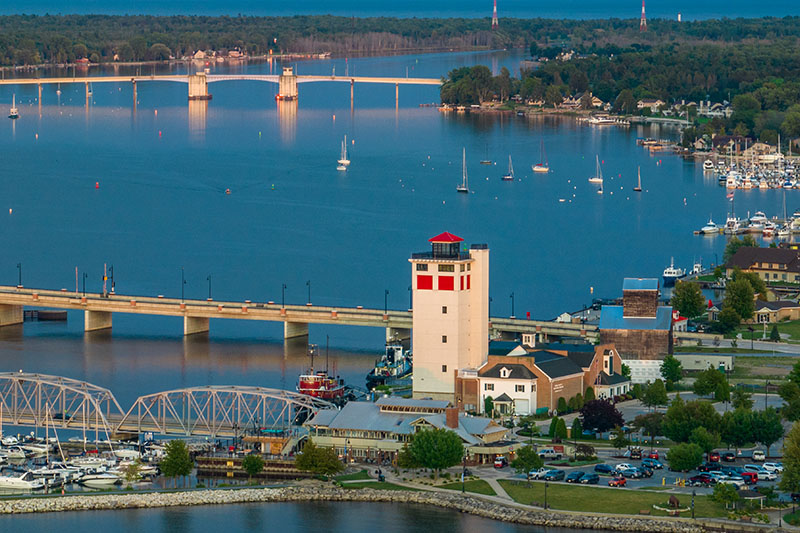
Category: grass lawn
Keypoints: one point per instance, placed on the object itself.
(382, 485)
(574, 463)
(718, 349)
(355, 475)
(477, 486)
(762, 368)
(597, 499)
(654, 487)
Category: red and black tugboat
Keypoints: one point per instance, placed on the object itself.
(318, 383)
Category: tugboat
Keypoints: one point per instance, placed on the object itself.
(319, 384)
(672, 274)
(391, 367)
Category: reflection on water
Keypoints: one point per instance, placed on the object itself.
(198, 111)
(287, 120)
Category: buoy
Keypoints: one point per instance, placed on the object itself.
(37, 136)
(334, 117)
(159, 133)
(96, 184)
(273, 186)
(155, 111)
(259, 134)
(227, 191)
(10, 210)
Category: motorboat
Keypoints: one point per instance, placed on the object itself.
(464, 186)
(732, 225)
(672, 274)
(23, 482)
(319, 384)
(784, 232)
(638, 187)
(710, 228)
(99, 479)
(697, 268)
(393, 365)
(10, 440)
(15, 452)
(708, 165)
(769, 230)
(759, 218)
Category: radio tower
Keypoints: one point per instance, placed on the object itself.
(494, 15)
(643, 22)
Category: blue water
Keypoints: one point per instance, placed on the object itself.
(575, 9)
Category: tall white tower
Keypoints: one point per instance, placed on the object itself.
(451, 314)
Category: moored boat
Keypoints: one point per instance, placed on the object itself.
(392, 366)
(710, 228)
(318, 383)
(672, 274)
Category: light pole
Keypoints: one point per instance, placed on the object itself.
(410, 298)
(751, 337)
(308, 284)
(766, 390)
(19, 268)
(464, 474)
(512, 305)
(183, 284)
(386, 302)
(85, 275)
(111, 272)
(545, 495)
(209, 287)
(694, 493)
(283, 295)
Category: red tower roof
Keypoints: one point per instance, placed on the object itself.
(446, 237)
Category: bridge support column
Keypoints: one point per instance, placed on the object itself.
(192, 325)
(287, 85)
(295, 329)
(10, 315)
(96, 320)
(398, 334)
(198, 87)
(40, 95)
(135, 93)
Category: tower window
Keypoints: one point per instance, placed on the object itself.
(447, 268)
(444, 309)
(469, 267)
(463, 268)
(422, 267)
(444, 338)
(444, 368)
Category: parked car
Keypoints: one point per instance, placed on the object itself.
(773, 467)
(653, 455)
(645, 470)
(652, 463)
(589, 478)
(713, 457)
(500, 462)
(728, 457)
(636, 453)
(736, 481)
(717, 475)
(707, 467)
(555, 475)
(622, 466)
(617, 482)
(758, 455)
(604, 469)
(62, 416)
(750, 478)
(538, 474)
(549, 453)
(766, 475)
(701, 480)
(732, 470)
(633, 473)
(574, 477)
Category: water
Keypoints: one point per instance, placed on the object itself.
(337, 517)
(574, 9)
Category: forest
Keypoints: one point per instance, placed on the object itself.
(58, 39)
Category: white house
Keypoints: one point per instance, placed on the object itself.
(511, 385)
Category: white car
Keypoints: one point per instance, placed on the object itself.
(767, 475)
(758, 455)
(622, 466)
(736, 482)
(752, 468)
(773, 467)
(538, 474)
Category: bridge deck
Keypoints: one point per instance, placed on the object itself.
(212, 78)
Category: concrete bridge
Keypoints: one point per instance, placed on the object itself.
(198, 83)
(99, 308)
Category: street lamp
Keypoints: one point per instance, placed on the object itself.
(183, 284)
(545, 495)
(766, 390)
(308, 284)
(283, 295)
(85, 275)
(19, 268)
(512, 305)
(694, 493)
(386, 302)
(751, 337)
(464, 474)
(209, 287)
(111, 273)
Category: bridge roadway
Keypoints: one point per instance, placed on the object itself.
(196, 313)
(212, 78)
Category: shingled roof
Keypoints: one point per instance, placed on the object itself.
(747, 257)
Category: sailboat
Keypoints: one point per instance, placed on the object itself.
(510, 175)
(638, 187)
(463, 187)
(542, 166)
(598, 174)
(785, 231)
(486, 161)
(343, 161)
(13, 113)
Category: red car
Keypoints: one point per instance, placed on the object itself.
(653, 455)
(617, 482)
(713, 457)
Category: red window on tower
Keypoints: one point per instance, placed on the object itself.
(424, 283)
(462, 282)
(468, 280)
(446, 283)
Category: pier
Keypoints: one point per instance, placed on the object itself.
(99, 309)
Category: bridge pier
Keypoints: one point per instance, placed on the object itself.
(10, 315)
(194, 324)
(135, 93)
(96, 320)
(198, 87)
(295, 329)
(287, 85)
(398, 334)
(396, 95)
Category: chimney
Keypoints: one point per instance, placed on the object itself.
(451, 417)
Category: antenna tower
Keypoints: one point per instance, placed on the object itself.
(494, 16)
(643, 21)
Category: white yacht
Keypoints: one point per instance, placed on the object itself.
(769, 230)
(759, 218)
(598, 173)
(784, 232)
(23, 482)
(708, 165)
(672, 274)
(542, 166)
(710, 228)
(13, 113)
(15, 452)
(697, 268)
(101, 479)
(732, 225)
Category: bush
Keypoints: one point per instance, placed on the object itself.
(562, 406)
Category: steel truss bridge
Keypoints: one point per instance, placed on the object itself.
(39, 400)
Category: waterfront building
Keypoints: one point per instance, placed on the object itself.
(650, 103)
(772, 312)
(640, 328)
(450, 325)
(366, 430)
(771, 264)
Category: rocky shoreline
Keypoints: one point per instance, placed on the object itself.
(455, 501)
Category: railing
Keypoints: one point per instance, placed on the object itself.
(460, 256)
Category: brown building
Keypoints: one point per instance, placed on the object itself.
(771, 264)
(640, 329)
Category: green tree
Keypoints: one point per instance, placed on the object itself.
(80, 51)
(488, 406)
(437, 448)
(406, 460)
(734, 244)
(253, 464)
(774, 334)
(671, 369)
(726, 494)
(625, 371)
(741, 399)
(561, 429)
(708, 381)
(562, 406)
(526, 460)
(553, 96)
(655, 394)
(723, 392)
(767, 427)
(176, 461)
(790, 478)
(320, 461)
(579, 401)
(794, 374)
(625, 102)
(759, 287)
(728, 320)
(739, 296)
(132, 471)
(159, 52)
(650, 424)
(636, 390)
(682, 418)
(589, 395)
(600, 416)
(620, 440)
(684, 457)
(551, 432)
(577, 428)
(707, 440)
(688, 299)
(737, 427)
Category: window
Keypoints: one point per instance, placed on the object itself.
(422, 267)
(774, 276)
(447, 268)
(519, 388)
(783, 276)
(444, 309)
(424, 282)
(445, 283)
(444, 368)
(469, 267)
(488, 386)
(463, 267)
(444, 338)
